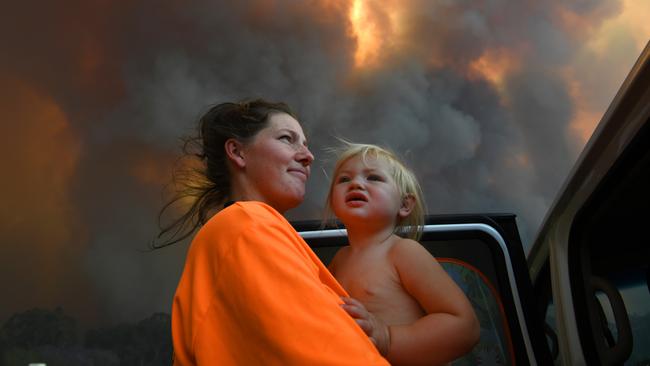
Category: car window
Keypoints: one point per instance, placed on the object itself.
(609, 255)
(493, 274)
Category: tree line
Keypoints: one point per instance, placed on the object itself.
(51, 337)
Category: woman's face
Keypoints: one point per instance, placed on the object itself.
(277, 163)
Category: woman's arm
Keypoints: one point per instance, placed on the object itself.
(275, 305)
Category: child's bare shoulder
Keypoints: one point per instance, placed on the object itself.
(339, 257)
(342, 253)
(407, 249)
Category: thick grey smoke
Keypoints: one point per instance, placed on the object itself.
(131, 78)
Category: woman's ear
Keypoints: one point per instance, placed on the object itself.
(235, 152)
(408, 203)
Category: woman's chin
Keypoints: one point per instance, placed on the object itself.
(289, 202)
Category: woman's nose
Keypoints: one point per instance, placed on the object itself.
(305, 156)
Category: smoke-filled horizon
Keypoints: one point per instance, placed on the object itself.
(489, 102)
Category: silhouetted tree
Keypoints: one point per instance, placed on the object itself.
(39, 335)
(146, 343)
(39, 327)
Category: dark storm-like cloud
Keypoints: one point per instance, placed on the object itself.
(131, 77)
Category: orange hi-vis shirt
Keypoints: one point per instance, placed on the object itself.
(254, 293)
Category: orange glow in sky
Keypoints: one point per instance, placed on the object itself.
(494, 65)
(633, 22)
(366, 33)
(37, 218)
(585, 117)
(376, 28)
(608, 53)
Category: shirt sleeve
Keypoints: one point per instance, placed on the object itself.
(273, 309)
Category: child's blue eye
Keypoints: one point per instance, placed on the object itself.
(375, 177)
(343, 179)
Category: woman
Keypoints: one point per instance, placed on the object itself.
(252, 291)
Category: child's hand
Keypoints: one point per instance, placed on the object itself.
(375, 328)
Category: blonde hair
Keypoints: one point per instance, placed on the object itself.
(405, 181)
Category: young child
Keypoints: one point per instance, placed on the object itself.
(400, 295)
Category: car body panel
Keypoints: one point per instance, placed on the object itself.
(600, 163)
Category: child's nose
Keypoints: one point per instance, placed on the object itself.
(356, 183)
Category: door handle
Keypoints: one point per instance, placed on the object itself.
(620, 351)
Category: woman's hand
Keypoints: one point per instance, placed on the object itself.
(375, 328)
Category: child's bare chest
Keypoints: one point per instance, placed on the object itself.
(376, 284)
(368, 280)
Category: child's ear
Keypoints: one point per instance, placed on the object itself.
(408, 203)
(235, 152)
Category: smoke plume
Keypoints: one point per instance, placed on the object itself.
(489, 102)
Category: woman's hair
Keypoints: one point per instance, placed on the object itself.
(406, 182)
(205, 183)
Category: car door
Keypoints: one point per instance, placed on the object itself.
(483, 254)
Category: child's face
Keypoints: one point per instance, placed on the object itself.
(365, 190)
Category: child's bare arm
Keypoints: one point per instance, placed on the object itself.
(450, 328)
(373, 326)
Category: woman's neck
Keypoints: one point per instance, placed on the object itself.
(244, 193)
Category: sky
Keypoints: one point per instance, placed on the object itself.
(489, 102)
